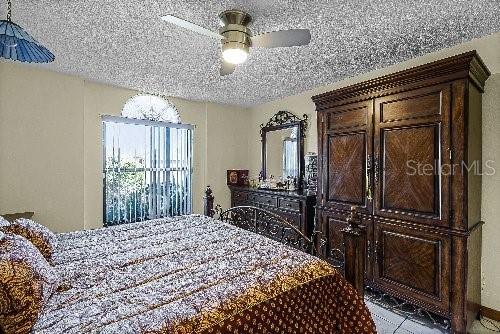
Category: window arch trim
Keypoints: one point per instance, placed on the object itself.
(161, 109)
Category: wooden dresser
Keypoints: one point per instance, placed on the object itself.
(295, 206)
(394, 146)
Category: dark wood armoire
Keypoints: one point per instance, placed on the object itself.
(406, 149)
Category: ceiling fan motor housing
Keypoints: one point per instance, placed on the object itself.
(235, 31)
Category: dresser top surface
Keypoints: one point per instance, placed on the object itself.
(281, 193)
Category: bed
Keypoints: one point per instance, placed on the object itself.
(195, 274)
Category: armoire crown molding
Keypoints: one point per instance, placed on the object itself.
(465, 65)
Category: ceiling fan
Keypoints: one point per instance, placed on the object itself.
(236, 37)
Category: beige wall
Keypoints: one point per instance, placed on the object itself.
(489, 50)
(50, 145)
(490, 206)
(227, 140)
(41, 146)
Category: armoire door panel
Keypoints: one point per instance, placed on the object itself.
(352, 116)
(335, 237)
(414, 263)
(407, 184)
(411, 149)
(346, 170)
(413, 106)
(346, 148)
(410, 261)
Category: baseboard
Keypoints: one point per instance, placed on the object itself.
(490, 313)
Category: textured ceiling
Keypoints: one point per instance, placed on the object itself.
(125, 43)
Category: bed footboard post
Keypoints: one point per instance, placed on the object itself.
(208, 203)
(354, 251)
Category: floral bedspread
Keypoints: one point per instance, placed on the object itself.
(193, 274)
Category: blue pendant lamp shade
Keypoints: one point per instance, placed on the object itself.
(16, 44)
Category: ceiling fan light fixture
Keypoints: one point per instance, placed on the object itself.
(237, 39)
(235, 53)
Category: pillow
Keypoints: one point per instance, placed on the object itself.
(26, 283)
(3, 223)
(39, 235)
(10, 217)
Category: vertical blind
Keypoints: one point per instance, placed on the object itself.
(147, 169)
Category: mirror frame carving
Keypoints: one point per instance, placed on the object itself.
(283, 120)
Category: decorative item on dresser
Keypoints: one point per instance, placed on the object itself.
(395, 146)
(311, 172)
(237, 177)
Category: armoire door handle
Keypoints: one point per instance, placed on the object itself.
(376, 169)
(368, 249)
(367, 174)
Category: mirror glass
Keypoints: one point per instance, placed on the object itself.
(281, 153)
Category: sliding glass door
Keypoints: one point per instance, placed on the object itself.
(147, 169)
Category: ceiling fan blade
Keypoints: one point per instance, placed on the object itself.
(191, 26)
(227, 68)
(282, 38)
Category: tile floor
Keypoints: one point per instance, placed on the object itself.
(389, 322)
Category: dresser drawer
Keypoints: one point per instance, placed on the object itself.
(263, 200)
(289, 204)
(239, 196)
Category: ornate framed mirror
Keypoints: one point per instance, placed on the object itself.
(283, 147)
